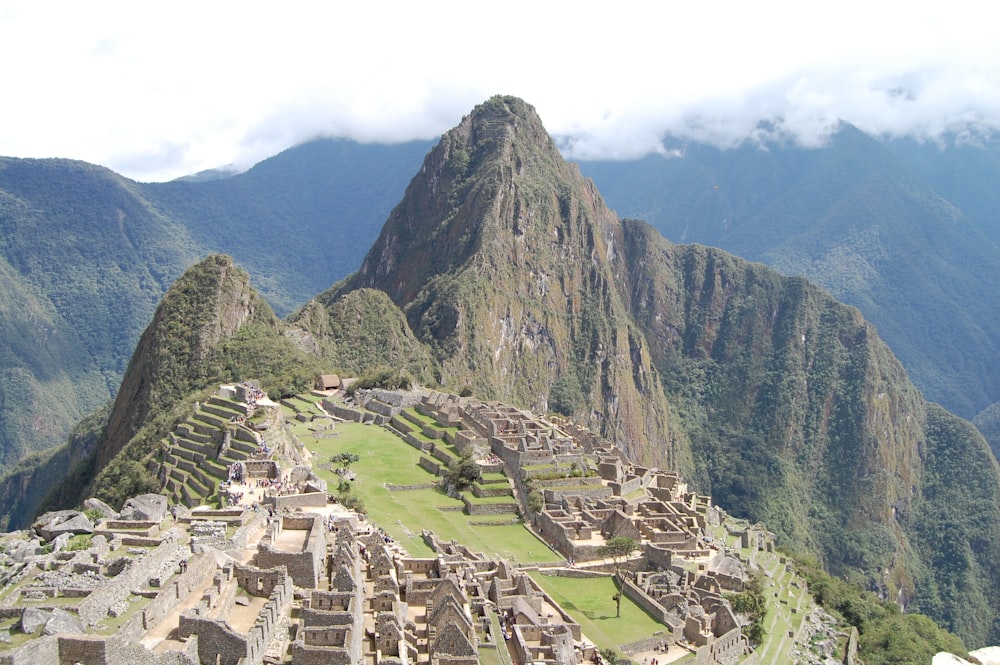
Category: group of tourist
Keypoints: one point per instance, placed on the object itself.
(253, 395)
(231, 498)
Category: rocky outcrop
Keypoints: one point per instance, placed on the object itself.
(145, 508)
(51, 525)
(504, 260)
(211, 301)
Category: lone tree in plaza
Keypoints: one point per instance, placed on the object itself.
(618, 550)
(344, 461)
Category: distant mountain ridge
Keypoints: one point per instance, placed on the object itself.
(86, 254)
(502, 271)
(907, 232)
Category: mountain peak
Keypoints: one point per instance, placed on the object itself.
(502, 119)
(494, 183)
(500, 249)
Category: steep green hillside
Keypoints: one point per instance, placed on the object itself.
(361, 331)
(211, 327)
(780, 401)
(903, 232)
(84, 258)
(498, 257)
(988, 422)
(300, 220)
(801, 417)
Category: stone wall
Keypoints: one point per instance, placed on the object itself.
(238, 542)
(37, 651)
(293, 501)
(556, 495)
(96, 650)
(343, 412)
(219, 643)
(651, 606)
(659, 557)
(96, 606)
(199, 568)
(489, 508)
(429, 465)
(304, 567)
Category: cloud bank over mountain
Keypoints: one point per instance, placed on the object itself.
(157, 91)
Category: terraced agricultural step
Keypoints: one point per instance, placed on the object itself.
(202, 449)
(196, 487)
(231, 456)
(186, 430)
(215, 469)
(231, 405)
(209, 418)
(242, 446)
(185, 496)
(178, 453)
(246, 435)
(220, 411)
(203, 478)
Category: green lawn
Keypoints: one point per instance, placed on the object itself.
(387, 459)
(589, 601)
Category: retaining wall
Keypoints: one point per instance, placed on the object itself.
(96, 606)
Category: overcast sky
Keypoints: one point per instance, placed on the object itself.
(156, 90)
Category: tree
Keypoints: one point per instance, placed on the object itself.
(618, 550)
(345, 460)
(463, 472)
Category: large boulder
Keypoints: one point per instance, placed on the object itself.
(33, 619)
(107, 511)
(57, 522)
(61, 622)
(17, 550)
(145, 508)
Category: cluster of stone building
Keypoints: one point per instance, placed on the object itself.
(680, 573)
(291, 582)
(315, 590)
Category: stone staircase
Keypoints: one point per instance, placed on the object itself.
(195, 456)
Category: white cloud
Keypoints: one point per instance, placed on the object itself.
(157, 91)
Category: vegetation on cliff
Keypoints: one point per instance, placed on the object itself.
(904, 231)
(503, 271)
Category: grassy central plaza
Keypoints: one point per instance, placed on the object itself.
(386, 464)
(387, 461)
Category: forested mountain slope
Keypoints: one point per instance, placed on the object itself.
(782, 402)
(502, 270)
(906, 232)
(85, 255)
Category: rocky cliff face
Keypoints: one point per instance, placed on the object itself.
(504, 260)
(780, 401)
(211, 301)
